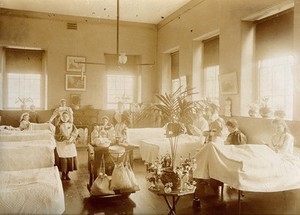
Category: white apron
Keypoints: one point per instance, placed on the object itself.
(66, 150)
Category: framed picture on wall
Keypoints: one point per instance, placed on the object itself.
(228, 83)
(75, 82)
(74, 64)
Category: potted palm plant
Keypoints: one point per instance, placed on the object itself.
(176, 113)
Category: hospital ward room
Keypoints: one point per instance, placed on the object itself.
(113, 107)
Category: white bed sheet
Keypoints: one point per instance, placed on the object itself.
(151, 149)
(13, 136)
(42, 126)
(26, 155)
(37, 191)
(251, 167)
(136, 135)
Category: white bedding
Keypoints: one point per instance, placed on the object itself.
(251, 167)
(36, 191)
(152, 148)
(136, 135)
(42, 126)
(13, 136)
(23, 155)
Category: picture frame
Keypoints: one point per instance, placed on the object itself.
(75, 82)
(228, 83)
(73, 65)
(75, 99)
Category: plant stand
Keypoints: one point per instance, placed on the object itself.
(175, 196)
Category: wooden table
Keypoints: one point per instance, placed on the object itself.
(175, 195)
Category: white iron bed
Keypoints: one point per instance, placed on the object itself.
(35, 191)
(23, 155)
(251, 167)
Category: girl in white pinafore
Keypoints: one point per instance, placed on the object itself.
(65, 135)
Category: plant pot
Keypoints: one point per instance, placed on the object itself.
(266, 112)
(253, 112)
(24, 107)
(280, 114)
(169, 175)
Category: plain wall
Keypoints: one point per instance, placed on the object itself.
(259, 129)
(202, 19)
(92, 39)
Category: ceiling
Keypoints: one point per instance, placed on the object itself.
(143, 11)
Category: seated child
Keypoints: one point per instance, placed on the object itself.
(24, 122)
(101, 140)
(282, 140)
(235, 137)
(121, 128)
(95, 133)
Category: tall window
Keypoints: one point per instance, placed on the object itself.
(276, 83)
(274, 49)
(175, 71)
(211, 80)
(24, 78)
(120, 88)
(23, 86)
(211, 68)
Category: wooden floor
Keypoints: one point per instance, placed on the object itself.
(78, 201)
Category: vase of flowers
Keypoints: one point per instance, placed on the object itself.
(265, 111)
(24, 102)
(254, 110)
(162, 176)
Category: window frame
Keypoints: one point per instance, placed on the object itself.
(109, 105)
(43, 80)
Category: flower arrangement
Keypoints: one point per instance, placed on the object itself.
(181, 177)
(254, 109)
(176, 111)
(24, 101)
(265, 111)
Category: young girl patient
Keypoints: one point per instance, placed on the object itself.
(235, 137)
(282, 141)
(24, 122)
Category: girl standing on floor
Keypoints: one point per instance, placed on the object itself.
(65, 135)
(58, 112)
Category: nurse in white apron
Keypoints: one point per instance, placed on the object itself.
(65, 135)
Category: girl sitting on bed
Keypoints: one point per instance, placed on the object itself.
(65, 135)
(217, 127)
(235, 137)
(281, 141)
(24, 122)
